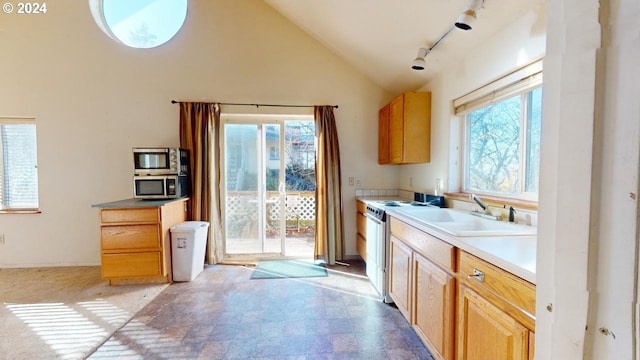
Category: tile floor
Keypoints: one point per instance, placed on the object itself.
(222, 314)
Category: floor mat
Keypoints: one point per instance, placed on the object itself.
(276, 269)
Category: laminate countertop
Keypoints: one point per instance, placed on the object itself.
(515, 254)
(135, 203)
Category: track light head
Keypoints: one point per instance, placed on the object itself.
(465, 20)
(418, 62)
(469, 15)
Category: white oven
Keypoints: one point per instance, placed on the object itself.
(377, 248)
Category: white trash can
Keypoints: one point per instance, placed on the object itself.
(188, 243)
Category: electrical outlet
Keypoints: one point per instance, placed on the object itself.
(1, 239)
(411, 182)
(358, 181)
(351, 181)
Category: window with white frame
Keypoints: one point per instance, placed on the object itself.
(502, 125)
(18, 164)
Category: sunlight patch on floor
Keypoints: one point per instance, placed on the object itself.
(66, 331)
(136, 339)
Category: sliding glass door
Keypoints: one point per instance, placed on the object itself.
(269, 183)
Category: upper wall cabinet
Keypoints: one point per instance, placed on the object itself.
(404, 129)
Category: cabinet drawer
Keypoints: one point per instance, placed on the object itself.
(131, 265)
(361, 206)
(430, 247)
(127, 237)
(130, 215)
(361, 224)
(511, 288)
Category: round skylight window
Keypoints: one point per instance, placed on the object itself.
(140, 23)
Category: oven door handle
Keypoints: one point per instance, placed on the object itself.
(371, 217)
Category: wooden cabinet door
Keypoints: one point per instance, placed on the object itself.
(384, 131)
(433, 307)
(396, 130)
(399, 275)
(404, 129)
(486, 332)
(417, 127)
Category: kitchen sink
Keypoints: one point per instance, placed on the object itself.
(459, 223)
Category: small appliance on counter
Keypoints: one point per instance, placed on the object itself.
(160, 173)
(160, 187)
(160, 161)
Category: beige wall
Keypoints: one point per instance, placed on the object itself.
(95, 99)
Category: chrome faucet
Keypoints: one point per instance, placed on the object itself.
(485, 209)
(480, 202)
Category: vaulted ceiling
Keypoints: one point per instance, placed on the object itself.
(382, 37)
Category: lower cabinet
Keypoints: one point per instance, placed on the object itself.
(434, 306)
(423, 291)
(400, 275)
(361, 226)
(486, 332)
(136, 241)
(461, 306)
(496, 313)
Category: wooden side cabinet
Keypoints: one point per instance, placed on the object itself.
(361, 225)
(136, 242)
(404, 129)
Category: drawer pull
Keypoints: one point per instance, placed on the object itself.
(477, 274)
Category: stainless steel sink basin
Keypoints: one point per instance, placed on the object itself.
(459, 223)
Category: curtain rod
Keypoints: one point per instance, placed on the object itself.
(258, 105)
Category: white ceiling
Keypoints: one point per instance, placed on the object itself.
(382, 37)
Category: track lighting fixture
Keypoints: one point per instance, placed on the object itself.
(419, 63)
(469, 15)
(463, 22)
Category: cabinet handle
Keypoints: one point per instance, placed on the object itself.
(477, 274)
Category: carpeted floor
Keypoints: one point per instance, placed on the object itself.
(63, 313)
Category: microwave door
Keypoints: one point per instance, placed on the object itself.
(149, 188)
(151, 161)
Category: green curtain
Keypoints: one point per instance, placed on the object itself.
(329, 216)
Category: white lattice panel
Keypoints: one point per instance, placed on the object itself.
(302, 208)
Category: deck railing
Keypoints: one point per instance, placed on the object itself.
(300, 208)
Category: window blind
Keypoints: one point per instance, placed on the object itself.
(18, 164)
(516, 82)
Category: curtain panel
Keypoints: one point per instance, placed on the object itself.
(199, 127)
(329, 217)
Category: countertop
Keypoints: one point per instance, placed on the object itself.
(515, 254)
(135, 203)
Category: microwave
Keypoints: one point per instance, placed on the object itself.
(160, 187)
(160, 161)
